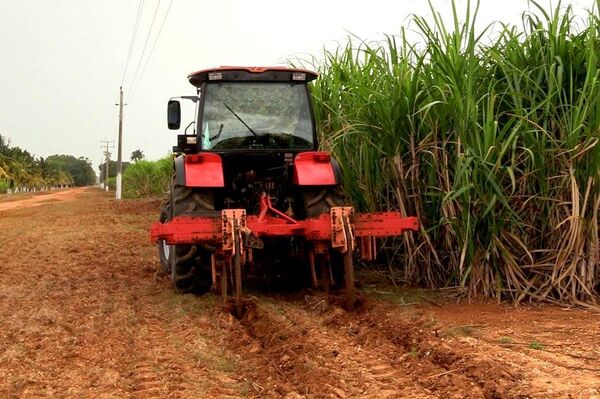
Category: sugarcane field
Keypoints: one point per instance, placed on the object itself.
(310, 200)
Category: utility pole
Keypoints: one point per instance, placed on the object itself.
(106, 143)
(120, 149)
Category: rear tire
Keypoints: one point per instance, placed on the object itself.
(164, 248)
(188, 265)
(319, 201)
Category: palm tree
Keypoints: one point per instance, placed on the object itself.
(20, 170)
(3, 166)
(3, 173)
(137, 155)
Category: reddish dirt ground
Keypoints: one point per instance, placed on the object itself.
(84, 314)
(27, 200)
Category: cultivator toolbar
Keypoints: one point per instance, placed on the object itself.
(235, 235)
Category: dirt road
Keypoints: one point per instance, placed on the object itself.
(35, 199)
(83, 314)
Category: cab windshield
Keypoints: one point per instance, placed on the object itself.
(252, 115)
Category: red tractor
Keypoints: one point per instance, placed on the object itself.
(251, 191)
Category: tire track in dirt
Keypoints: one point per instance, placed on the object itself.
(174, 356)
(158, 373)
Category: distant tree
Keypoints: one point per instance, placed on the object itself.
(137, 155)
(80, 168)
(21, 170)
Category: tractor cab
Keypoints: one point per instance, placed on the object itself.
(249, 109)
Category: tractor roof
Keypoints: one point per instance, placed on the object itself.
(251, 74)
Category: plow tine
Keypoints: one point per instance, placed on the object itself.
(349, 263)
(313, 272)
(349, 277)
(213, 271)
(223, 282)
(237, 260)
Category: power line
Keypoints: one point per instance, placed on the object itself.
(137, 69)
(132, 91)
(135, 29)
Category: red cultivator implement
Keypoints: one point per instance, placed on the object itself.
(235, 235)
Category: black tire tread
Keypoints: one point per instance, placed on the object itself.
(190, 270)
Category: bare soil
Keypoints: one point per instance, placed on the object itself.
(27, 200)
(85, 314)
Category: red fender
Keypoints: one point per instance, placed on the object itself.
(203, 170)
(314, 168)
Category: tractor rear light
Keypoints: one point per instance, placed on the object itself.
(203, 157)
(298, 76)
(322, 157)
(215, 76)
(194, 159)
(313, 156)
(191, 140)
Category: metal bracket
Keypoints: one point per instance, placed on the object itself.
(368, 247)
(342, 228)
(233, 221)
(191, 98)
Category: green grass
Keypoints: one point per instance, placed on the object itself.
(505, 340)
(430, 323)
(414, 352)
(493, 144)
(147, 178)
(402, 295)
(214, 360)
(535, 345)
(463, 331)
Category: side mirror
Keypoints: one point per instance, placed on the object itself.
(174, 114)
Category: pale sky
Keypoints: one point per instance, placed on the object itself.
(62, 61)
